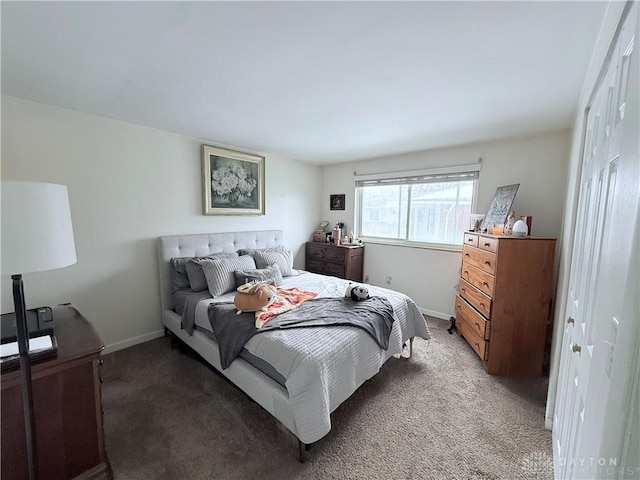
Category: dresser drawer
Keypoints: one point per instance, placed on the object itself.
(488, 243)
(475, 297)
(323, 268)
(485, 261)
(476, 277)
(470, 239)
(326, 253)
(479, 345)
(474, 322)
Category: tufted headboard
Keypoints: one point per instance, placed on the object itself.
(204, 244)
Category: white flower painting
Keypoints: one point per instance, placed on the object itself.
(234, 182)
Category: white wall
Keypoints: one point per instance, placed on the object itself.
(539, 163)
(129, 185)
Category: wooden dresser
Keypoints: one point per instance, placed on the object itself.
(69, 435)
(335, 260)
(503, 302)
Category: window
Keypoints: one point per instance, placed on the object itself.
(430, 207)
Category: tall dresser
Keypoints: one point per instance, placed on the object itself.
(503, 302)
(336, 260)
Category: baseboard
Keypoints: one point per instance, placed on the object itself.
(114, 347)
(433, 313)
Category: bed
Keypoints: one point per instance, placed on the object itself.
(302, 388)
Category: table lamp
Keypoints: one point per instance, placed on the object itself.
(36, 236)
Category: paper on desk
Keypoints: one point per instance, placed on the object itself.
(35, 344)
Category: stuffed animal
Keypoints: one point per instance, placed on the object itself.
(254, 296)
(357, 292)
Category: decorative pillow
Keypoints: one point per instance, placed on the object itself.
(220, 272)
(283, 259)
(179, 279)
(193, 268)
(264, 274)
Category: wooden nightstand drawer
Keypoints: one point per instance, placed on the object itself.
(476, 277)
(475, 297)
(468, 328)
(485, 261)
(470, 239)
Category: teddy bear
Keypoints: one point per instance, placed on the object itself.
(254, 296)
(357, 292)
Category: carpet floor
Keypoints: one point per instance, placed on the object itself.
(167, 415)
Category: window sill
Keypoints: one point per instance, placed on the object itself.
(402, 243)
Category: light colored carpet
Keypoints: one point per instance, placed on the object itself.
(437, 416)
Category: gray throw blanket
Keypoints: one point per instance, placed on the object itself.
(374, 316)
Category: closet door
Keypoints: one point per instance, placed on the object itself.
(605, 244)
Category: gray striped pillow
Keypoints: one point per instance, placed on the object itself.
(283, 259)
(220, 273)
(194, 272)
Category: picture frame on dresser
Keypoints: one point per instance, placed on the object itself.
(233, 182)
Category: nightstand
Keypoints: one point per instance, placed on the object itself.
(69, 435)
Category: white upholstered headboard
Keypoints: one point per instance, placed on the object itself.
(201, 245)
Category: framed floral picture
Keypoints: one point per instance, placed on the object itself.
(233, 182)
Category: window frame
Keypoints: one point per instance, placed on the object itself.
(408, 178)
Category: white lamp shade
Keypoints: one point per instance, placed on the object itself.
(37, 234)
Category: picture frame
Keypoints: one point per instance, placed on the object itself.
(233, 182)
(336, 202)
(500, 206)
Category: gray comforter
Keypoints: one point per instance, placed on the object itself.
(374, 316)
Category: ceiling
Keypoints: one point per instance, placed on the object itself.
(321, 82)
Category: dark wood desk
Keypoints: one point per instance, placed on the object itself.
(68, 408)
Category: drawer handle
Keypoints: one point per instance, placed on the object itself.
(487, 262)
(470, 240)
(485, 283)
(101, 362)
(466, 254)
(482, 305)
(477, 325)
(477, 345)
(463, 290)
(466, 273)
(487, 244)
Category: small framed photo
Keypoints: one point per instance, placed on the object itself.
(233, 182)
(336, 202)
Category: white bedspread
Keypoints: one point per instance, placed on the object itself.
(325, 366)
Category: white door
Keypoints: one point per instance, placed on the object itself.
(604, 238)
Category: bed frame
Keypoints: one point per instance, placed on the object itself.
(262, 389)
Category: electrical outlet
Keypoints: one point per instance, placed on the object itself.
(388, 280)
(366, 279)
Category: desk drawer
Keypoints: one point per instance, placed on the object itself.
(475, 297)
(485, 261)
(476, 277)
